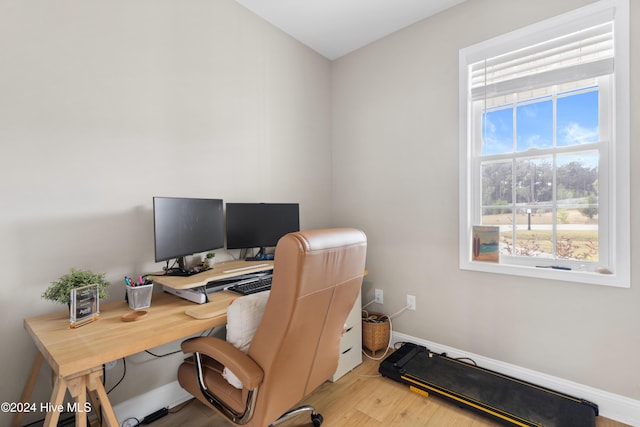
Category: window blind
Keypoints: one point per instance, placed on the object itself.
(583, 54)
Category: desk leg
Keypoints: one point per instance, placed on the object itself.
(95, 401)
(78, 390)
(95, 385)
(78, 387)
(57, 399)
(28, 388)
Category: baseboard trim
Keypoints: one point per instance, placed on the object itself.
(612, 406)
(166, 396)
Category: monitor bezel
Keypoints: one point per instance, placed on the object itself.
(217, 240)
(236, 243)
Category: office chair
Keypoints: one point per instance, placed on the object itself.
(316, 279)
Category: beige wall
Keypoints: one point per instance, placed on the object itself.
(104, 105)
(395, 142)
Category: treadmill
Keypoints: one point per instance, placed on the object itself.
(507, 400)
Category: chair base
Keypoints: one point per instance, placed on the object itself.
(316, 418)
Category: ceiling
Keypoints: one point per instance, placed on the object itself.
(334, 28)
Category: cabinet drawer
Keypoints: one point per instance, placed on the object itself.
(349, 359)
(351, 338)
(350, 343)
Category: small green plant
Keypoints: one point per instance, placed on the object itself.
(209, 260)
(60, 290)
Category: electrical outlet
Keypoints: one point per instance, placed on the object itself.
(110, 365)
(411, 302)
(379, 296)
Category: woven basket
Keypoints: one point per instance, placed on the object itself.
(375, 335)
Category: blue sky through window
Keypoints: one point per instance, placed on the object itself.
(577, 119)
(576, 123)
(534, 124)
(497, 131)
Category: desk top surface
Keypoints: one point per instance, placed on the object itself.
(220, 271)
(70, 351)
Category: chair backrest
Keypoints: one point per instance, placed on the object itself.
(316, 280)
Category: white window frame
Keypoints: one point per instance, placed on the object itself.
(614, 235)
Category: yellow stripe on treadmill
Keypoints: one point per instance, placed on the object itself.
(419, 391)
(470, 403)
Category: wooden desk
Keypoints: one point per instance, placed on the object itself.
(77, 355)
(223, 270)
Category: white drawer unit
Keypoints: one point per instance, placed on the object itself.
(351, 343)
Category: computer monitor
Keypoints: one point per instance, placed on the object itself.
(186, 226)
(260, 225)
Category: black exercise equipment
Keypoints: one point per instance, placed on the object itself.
(507, 400)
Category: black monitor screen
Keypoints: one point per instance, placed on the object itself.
(260, 225)
(184, 226)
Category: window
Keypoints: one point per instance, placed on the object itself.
(544, 147)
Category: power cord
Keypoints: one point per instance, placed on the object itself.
(406, 307)
(135, 422)
(206, 333)
(163, 355)
(130, 422)
(390, 332)
(368, 304)
(124, 372)
(467, 359)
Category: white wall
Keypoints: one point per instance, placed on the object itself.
(395, 142)
(104, 105)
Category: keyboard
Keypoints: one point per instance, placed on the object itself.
(252, 285)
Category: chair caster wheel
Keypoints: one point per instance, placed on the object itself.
(316, 419)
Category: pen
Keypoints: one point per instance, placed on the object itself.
(555, 267)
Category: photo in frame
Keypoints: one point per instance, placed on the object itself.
(486, 243)
(84, 306)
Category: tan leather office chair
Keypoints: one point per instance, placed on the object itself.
(316, 280)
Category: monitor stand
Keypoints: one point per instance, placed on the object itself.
(182, 262)
(181, 270)
(260, 256)
(185, 272)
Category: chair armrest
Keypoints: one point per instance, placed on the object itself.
(239, 363)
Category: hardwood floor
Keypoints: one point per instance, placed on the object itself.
(360, 398)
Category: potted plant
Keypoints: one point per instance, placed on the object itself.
(60, 290)
(210, 260)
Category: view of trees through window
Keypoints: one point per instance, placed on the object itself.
(539, 168)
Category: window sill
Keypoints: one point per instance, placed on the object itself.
(578, 276)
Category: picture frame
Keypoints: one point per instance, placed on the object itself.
(485, 244)
(84, 306)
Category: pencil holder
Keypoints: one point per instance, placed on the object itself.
(139, 297)
(375, 332)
